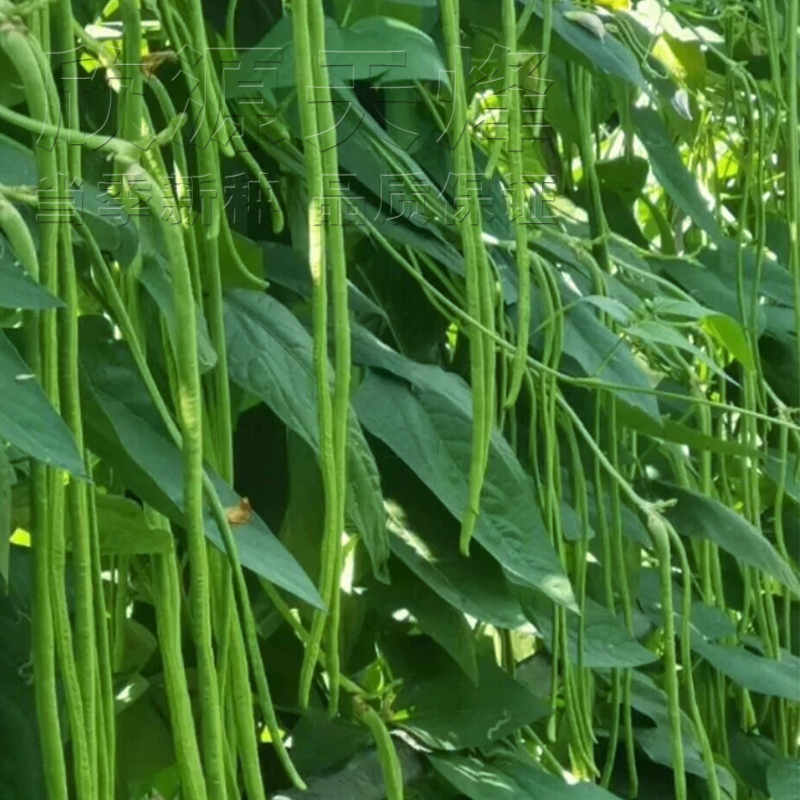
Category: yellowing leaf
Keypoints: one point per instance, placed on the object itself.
(614, 5)
(21, 537)
(664, 53)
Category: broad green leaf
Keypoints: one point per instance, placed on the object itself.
(303, 523)
(711, 622)
(657, 743)
(96, 209)
(607, 643)
(122, 427)
(625, 176)
(17, 288)
(672, 174)
(430, 429)
(775, 466)
(671, 430)
(783, 779)
(712, 289)
(473, 585)
(706, 518)
(28, 420)
(754, 672)
(649, 699)
(730, 335)
(121, 525)
(604, 355)
(149, 749)
(270, 355)
(611, 306)
(21, 773)
(365, 509)
(7, 480)
(447, 711)
(607, 53)
(419, 60)
(656, 333)
(320, 744)
(156, 279)
(510, 778)
(437, 618)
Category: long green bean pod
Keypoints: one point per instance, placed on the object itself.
(189, 403)
(390, 764)
(14, 41)
(518, 201)
(341, 322)
(305, 79)
(477, 281)
(660, 535)
(168, 620)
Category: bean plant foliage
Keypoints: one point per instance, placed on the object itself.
(405, 380)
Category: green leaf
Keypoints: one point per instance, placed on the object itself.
(320, 744)
(28, 420)
(757, 673)
(706, 518)
(728, 332)
(123, 427)
(607, 642)
(122, 527)
(656, 333)
(430, 429)
(437, 618)
(649, 699)
(364, 507)
(447, 710)
(671, 173)
(510, 778)
(604, 355)
(21, 774)
(415, 53)
(711, 622)
(17, 288)
(671, 430)
(270, 355)
(473, 585)
(156, 279)
(783, 779)
(606, 53)
(94, 208)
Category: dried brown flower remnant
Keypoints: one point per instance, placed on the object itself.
(153, 61)
(241, 513)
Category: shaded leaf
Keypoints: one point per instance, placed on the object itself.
(430, 429)
(28, 420)
(437, 618)
(17, 288)
(123, 428)
(473, 585)
(607, 643)
(783, 779)
(706, 518)
(447, 710)
(155, 277)
(757, 673)
(510, 778)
